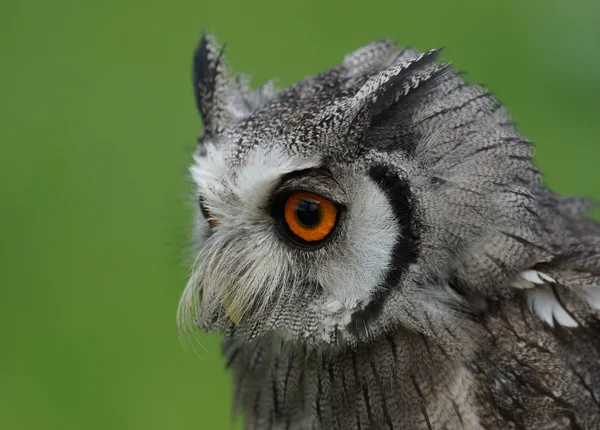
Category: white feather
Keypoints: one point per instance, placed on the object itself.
(352, 273)
(543, 303)
(546, 277)
(562, 317)
(521, 283)
(333, 305)
(532, 276)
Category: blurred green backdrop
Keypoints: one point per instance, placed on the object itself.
(98, 122)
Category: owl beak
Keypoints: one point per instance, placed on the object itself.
(233, 313)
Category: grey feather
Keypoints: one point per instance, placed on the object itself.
(454, 292)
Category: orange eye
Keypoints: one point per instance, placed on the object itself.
(309, 216)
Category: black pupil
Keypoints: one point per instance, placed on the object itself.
(307, 212)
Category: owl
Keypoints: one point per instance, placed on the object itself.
(378, 251)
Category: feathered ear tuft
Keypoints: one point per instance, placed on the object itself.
(211, 84)
(221, 100)
(384, 90)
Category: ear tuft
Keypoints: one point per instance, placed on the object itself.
(222, 101)
(387, 87)
(211, 84)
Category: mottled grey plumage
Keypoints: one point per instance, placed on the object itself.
(456, 292)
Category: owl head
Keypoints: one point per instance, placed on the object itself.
(381, 193)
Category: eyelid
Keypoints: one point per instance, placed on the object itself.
(316, 182)
(285, 191)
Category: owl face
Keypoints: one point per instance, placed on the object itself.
(284, 231)
(364, 198)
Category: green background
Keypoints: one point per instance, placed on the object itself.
(97, 124)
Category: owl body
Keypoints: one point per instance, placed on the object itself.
(379, 251)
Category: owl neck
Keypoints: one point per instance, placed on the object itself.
(390, 384)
